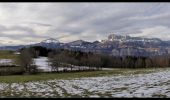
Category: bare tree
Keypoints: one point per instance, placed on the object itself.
(53, 61)
(94, 61)
(25, 60)
(149, 63)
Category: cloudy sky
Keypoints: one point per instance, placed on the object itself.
(25, 23)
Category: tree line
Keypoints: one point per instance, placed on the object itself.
(69, 59)
(105, 61)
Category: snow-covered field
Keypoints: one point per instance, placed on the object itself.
(43, 65)
(155, 84)
(6, 61)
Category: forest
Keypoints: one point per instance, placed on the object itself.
(66, 57)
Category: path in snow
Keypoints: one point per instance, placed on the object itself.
(155, 84)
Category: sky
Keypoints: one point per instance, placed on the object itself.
(27, 23)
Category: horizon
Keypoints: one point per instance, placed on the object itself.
(82, 40)
(25, 23)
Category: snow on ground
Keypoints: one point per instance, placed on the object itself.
(107, 68)
(155, 84)
(43, 65)
(6, 61)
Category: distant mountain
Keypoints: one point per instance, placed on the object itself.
(136, 46)
(11, 47)
(126, 38)
(50, 40)
(117, 45)
(50, 43)
(96, 42)
(78, 43)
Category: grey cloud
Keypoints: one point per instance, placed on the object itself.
(27, 32)
(40, 24)
(98, 18)
(117, 22)
(2, 28)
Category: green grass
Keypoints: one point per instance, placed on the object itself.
(47, 76)
(5, 54)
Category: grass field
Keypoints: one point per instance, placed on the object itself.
(107, 83)
(5, 54)
(71, 75)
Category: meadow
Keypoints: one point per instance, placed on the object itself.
(94, 84)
